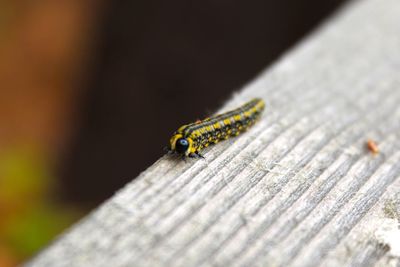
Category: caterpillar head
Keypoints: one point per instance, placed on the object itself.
(181, 145)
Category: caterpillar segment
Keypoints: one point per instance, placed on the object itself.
(190, 139)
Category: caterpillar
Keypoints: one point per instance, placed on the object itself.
(190, 139)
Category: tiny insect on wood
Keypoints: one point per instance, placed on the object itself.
(372, 146)
(190, 139)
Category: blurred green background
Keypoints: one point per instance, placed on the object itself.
(41, 44)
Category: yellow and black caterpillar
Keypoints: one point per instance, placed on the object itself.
(189, 139)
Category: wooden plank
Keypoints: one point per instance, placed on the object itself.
(299, 189)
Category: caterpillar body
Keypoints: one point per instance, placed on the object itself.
(190, 139)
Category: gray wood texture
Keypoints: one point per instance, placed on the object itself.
(298, 189)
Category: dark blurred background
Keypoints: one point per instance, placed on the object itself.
(91, 91)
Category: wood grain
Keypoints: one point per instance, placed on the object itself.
(298, 189)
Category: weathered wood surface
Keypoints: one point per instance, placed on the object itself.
(298, 189)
